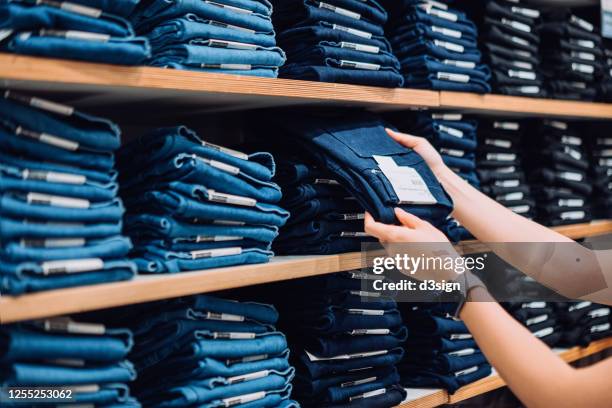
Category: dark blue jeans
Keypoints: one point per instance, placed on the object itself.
(337, 71)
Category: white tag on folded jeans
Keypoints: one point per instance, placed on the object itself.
(360, 47)
(243, 399)
(354, 31)
(406, 181)
(446, 31)
(340, 10)
(72, 266)
(313, 357)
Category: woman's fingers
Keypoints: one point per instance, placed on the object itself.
(404, 139)
(407, 219)
(386, 233)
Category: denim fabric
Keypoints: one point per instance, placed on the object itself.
(193, 169)
(507, 52)
(430, 379)
(164, 143)
(317, 207)
(12, 229)
(251, 311)
(25, 344)
(392, 397)
(157, 11)
(438, 49)
(308, 388)
(219, 69)
(107, 395)
(334, 73)
(49, 375)
(441, 81)
(55, 183)
(120, 8)
(431, 64)
(190, 27)
(449, 135)
(431, 32)
(344, 394)
(317, 231)
(170, 229)
(294, 195)
(427, 324)
(106, 248)
(333, 320)
(189, 245)
(21, 17)
(463, 164)
(448, 363)
(415, 14)
(325, 50)
(352, 344)
(431, 346)
(335, 245)
(73, 268)
(324, 31)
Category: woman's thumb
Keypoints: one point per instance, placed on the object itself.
(403, 138)
(407, 219)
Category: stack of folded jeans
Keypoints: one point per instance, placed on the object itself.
(499, 165)
(345, 342)
(325, 218)
(88, 30)
(60, 218)
(605, 81)
(455, 138)
(601, 170)
(558, 174)
(539, 317)
(194, 205)
(89, 359)
(583, 322)
(212, 352)
(336, 41)
(229, 36)
(441, 352)
(436, 46)
(571, 55)
(357, 152)
(509, 40)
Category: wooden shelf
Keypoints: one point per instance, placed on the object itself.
(156, 287)
(430, 398)
(88, 85)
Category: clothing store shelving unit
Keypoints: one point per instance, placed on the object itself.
(89, 85)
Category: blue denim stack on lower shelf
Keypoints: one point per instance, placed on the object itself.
(87, 358)
(440, 351)
(539, 317)
(194, 205)
(336, 41)
(558, 167)
(88, 30)
(500, 165)
(583, 322)
(60, 217)
(226, 36)
(210, 352)
(436, 46)
(345, 342)
(325, 218)
(601, 169)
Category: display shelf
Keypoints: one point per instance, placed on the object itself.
(156, 287)
(189, 92)
(429, 398)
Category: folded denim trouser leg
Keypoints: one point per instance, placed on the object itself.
(45, 250)
(190, 27)
(389, 397)
(450, 382)
(369, 9)
(448, 135)
(22, 17)
(346, 298)
(456, 361)
(427, 324)
(105, 395)
(511, 54)
(345, 393)
(251, 15)
(382, 78)
(503, 62)
(48, 375)
(294, 195)
(164, 143)
(497, 35)
(465, 164)
(351, 344)
(191, 245)
(55, 183)
(432, 346)
(308, 388)
(335, 245)
(11, 229)
(120, 8)
(514, 77)
(335, 320)
(505, 9)
(317, 54)
(314, 232)
(427, 63)
(324, 31)
(454, 20)
(446, 81)
(317, 207)
(406, 33)
(511, 27)
(438, 49)
(194, 169)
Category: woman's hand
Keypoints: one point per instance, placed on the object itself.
(422, 147)
(412, 230)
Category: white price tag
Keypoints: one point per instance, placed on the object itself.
(406, 181)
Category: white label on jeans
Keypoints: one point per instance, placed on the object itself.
(536, 320)
(52, 242)
(358, 382)
(586, 69)
(523, 53)
(523, 65)
(446, 31)
(605, 162)
(359, 65)
(585, 25)
(74, 34)
(242, 67)
(604, 140)
(5, 33)
(217, 197)
(447, 116)
(557, 124)
(571, 202)
(507, 169)
(339, 10)
(67, 325)
(573, 152)
(226, 317)
(353, 234)
(544, 332)
(366, 312)
(371, 49)
(225, 222)
(450, 46)
(48, 139)
(74, 8)
(587, 56)
(601, 312)
(361, 275)
(407, 183)
(53, 177)
(218, 165)
(583, 43)
(232, 8)
(433, 3)
(460, 336)
(520, 209)
(460, 64)
(522, 74)
(438, 13)
(507, 183)
(452, 152)
(511, 196)
(571, 176)
(519, 41)
(499, 143)
(579, 306)
(605, 153)
(576, 84)
(572, 140)
(232, 27)
(358, 33)
(233, 45)
(600, 328)
(462, 353)
(363, 293)
(362, 332)
(85, 388)
(329, 182)
(243, 399)
(501, 156)
(226, 150)
(215, 253)
(531, 13)
(529, 89)
(449, 76)
(451, 131)
(234, 335)
(352, 217)
(248, 377)
(56, 201)
(507, 125)
(466, 371)
(516, 25)
(247, 359)
(72, 266)
(369, 394)
(216, 238)
(572, 215)
(533, 305)
(313, 357)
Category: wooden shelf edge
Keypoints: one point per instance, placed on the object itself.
(148, 288)
(440, 397)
